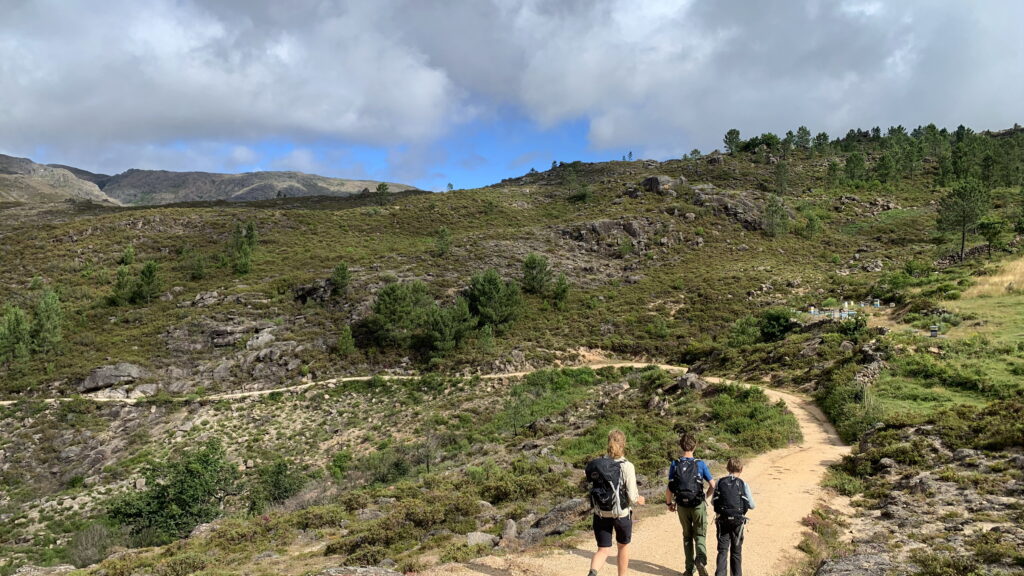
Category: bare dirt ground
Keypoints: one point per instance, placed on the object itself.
(785, 485)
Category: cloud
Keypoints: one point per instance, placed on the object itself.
(299, 160)
(125, 82)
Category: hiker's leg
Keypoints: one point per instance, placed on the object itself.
(686, 520)
(623, 559)
(623, 536)
(603, 535)
(700, 533)
(736, 556)
(723, 537)
(599, 558)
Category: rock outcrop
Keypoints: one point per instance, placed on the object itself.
(113, 375)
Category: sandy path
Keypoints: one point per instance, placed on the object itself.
(785, 484)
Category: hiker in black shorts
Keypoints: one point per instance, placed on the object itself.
(613, 481)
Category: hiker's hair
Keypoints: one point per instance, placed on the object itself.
(734, 465)
(687, 442)
(616, 443)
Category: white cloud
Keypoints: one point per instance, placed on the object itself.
(130, 80)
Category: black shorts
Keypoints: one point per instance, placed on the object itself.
(603, 528)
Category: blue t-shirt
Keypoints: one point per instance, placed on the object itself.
(702, 469)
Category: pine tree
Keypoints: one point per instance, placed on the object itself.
(962, 209)
(732, 141)
(494, 301)
(147, 288)
(560, 293)
(536, 274)
(776, 220)
(47, 323)
(339, 279)
(15, 336)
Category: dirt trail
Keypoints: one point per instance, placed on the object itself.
(785, 485)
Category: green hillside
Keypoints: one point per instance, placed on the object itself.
(713, 261)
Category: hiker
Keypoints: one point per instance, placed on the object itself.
(731, 501)
(685, 495)
(613, 491)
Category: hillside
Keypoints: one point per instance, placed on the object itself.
(165, 328)
(22, 180)
(148, 187)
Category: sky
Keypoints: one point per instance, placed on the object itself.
(472, 91)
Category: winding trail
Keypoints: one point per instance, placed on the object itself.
(785, 484)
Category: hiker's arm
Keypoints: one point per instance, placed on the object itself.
(634, 494)
(670, 499)
(748, 496)
(711, 488)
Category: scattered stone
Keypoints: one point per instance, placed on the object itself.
(510, 532)
(38, 571)
(369, 514)
(478, 538)
(140, 484)
(358, 571)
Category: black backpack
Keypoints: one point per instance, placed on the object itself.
(728, 499)
(687, 483)
(607, 490)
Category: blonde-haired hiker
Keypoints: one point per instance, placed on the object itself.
(613, 492)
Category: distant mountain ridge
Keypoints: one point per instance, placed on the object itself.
(147, 187)
(22, 180)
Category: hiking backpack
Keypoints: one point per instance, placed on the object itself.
(728, 499)
(687, 484)
(607, 490)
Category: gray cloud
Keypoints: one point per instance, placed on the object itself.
(119, 83)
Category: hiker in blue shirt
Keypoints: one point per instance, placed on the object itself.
(686, 496)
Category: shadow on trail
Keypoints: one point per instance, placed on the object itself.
(635, 565)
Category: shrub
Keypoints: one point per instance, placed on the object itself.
(197, 266)
(181, 565)
(274, 484)
(339, 464)
(128, 256)
(90, 545)
(744, 332)
(536, 274)
(181, 494)
(843, 483)
(775, 323)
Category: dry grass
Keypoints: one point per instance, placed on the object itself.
(1008, 280)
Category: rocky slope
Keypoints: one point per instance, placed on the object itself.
(22, 180)
(143, 187)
